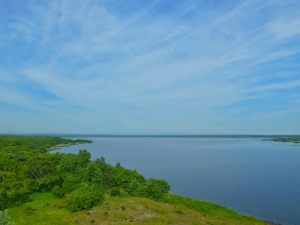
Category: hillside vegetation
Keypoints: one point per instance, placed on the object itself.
(41, 188)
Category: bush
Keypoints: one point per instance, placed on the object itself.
(135, 188)
(58, 192)
(156, 188)
(115, 191)
(85, 196)
(3, 200)
(70, 184)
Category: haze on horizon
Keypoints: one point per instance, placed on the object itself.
(150, 67)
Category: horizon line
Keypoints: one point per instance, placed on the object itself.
(147, 135)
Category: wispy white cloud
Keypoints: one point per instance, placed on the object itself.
(284, 29)
(188, 60)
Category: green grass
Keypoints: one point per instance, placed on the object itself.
(215, 214)
(44, 209)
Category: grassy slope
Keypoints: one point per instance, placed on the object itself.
(47, 210)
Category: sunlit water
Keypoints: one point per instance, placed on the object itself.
(253, 176)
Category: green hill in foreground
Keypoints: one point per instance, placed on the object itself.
(44, 209)
(39, 188)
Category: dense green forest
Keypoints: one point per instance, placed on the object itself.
(57, 188)
(25, 168)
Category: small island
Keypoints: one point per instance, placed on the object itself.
(295, 140)
(65, 189)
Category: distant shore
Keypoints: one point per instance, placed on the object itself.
(295, 140)
(178, 136)
(74, 142)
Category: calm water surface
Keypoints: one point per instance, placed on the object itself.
(253, 176)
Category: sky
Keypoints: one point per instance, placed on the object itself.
(150, 67)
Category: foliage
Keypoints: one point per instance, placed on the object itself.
(26, 167)
(85, 196)
(156, 188)
(115, 191)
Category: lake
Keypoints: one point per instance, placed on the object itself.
(250, 175)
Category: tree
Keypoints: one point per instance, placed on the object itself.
(156, 188)
(93, 173)
(83, 157)
(4, 199)
(118, 165)
(86, 196)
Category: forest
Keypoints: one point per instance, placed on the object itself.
(26, 168)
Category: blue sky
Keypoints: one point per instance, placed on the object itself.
(150, 67)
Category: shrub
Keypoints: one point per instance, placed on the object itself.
(58, 192)
(3, 200)
(115, 191)
(156, 188)
(85, 196)
(70, 183)
(135, 188)
(93, 173)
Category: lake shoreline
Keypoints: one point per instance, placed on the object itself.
(75, 142)
(95, 183)
(269, 222)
